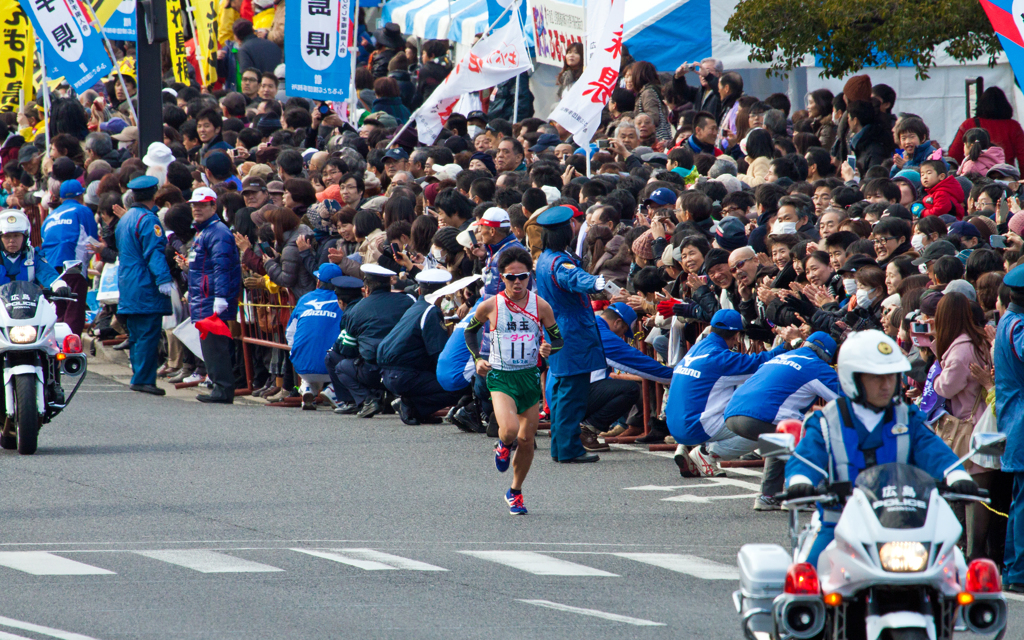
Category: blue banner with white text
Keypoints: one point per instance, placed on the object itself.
(317, 60)
(73, 49)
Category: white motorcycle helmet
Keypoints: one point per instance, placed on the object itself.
(14, 221)
(868, 352)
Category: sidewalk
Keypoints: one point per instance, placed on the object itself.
(114, 365)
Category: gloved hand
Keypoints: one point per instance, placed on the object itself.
(168, 289)
(219, 305)
(665, 307)
(965, 487)
(802, 490)
(599, 283)
(684, 309)
(60, 288)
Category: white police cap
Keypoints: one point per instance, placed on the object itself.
(377, 270)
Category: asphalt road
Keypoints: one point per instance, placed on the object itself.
(145, 517)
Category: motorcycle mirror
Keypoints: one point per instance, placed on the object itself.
(775, 444)
(989, 444)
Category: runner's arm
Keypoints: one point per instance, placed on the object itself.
(472, 333)
(547, 318)
(555, 337)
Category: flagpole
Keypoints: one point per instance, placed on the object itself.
(515, 100)
(588, 160)
(46, 96)
(354, 52)
(419, 108)
(113, 59)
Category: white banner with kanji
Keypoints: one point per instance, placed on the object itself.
(580, 109)
(491, 61)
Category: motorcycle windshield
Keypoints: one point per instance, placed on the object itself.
(20, 299)
(898, 493)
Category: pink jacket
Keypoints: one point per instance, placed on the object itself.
(955, 382)
(989, 158)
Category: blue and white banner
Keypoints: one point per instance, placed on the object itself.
(72, 48)
(316, 54)
(121, 25)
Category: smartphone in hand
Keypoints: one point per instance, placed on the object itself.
(997, 242)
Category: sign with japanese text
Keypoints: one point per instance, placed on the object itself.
(556, 26)
(16, 56)
(580, 108)
(176, 41)
(121, 25)
(316, 55)
(491, 61)
(73, 49)
(204, 16)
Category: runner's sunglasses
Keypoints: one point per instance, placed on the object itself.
(515, 276)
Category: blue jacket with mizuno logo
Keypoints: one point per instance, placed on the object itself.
(703, 383)
(620, 356)
(312, 329)
(455, 367)
(64, 233)
(785, 387)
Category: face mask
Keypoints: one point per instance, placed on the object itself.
(864, 298)
(783, 228)
(917, 241)
(437, 253)
(474, 130)
(850, 285)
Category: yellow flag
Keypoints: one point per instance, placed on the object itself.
(104, 9)
(204, 14)
(17, 51)
(176, 40)
(264, 19)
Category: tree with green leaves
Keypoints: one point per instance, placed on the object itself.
(848, 35)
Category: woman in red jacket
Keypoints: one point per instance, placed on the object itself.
(995, 115)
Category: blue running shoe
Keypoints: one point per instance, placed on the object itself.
(502, 456)
(515, 503)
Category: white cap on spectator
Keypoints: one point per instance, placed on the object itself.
(496, 217)
(553, 194)
(433, 276)
(377, 270)
(203, 194)
(463, 237)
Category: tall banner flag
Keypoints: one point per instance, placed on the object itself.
(105, 9)
(204, 16)
(72, 48)
(16, 56)
(580, 109)
(1008, 23)
(316, 54)
(121, 25)
(491, 61)
(176, 41)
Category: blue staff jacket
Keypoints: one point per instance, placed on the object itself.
(455, 366)
(703, 383)
(564, 285)
(64, 232)
(785, 387)
(312, 329)
(620, 356)
(493, 284)
(142, 265)
(1009, 363)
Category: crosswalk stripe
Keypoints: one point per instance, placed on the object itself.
(689, 497)
(370, 560)
(10, 636)
(682, 563)
(538, 563)
(42, 563)
(38, 628)
(206, 561)
(594, 613)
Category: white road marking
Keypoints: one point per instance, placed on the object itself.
(689, 497)
(654, 487)
(538, 563)
(682, 563)
(370, 560)
(36, 628)
(10, 636)
(42, 563)
(206, 561)
(745, 471)
(594, 613)
(733, 482)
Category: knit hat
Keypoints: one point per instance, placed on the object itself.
(962, 286)
(332, 193)
(445, 238)
(1016, 223)
(487, 160)
(643, 247)
(430, 192)
(714, 258)
(731, 234)
(722, 166)
(857, 88)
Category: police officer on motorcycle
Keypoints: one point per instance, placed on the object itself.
(872, 425)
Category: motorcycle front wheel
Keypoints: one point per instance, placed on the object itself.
(26, 413)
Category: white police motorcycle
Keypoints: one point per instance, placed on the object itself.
(35, 351)
(893, 572)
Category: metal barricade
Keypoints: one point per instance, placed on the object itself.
(264, 316)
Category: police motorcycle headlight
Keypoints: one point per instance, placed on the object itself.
(903, 557)
(23, 334)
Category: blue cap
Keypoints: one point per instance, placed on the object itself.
(71, 189)
(727, 319)
(824, 342)
(1015, 278)
(555, 216)
(662, 196)
(143, 182)
(396, 153)
(347, 282)
(545, 142)
(327, 272)
(582, 151)
(625, 312)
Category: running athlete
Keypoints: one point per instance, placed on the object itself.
(518, 318)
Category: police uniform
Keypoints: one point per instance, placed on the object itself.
(408, 356)
(142, 270)
(1009, 365)
(564, 285)
(365, 325)
(333, 357)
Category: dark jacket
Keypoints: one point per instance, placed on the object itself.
(430, 75)
(406, 86)
(287, 270)
(501, 104)
(393, 106)
(702, 99)
(380, 60)
(214, 271)
(259, 53)
(872, 145)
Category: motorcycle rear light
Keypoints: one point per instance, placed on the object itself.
(802, 579)
(72, 344)
(983, 577)
(964, 598)
(833, 599)
(792, 427)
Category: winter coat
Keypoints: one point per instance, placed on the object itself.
(567, 78)
(614, 261)
(287, 270)
(429, 76)
(259, 53)
(922, 152)
(872, 145)
(826, 131)
(989, 158)
(649, 102)
(501, 104)
(406, 87)
(955, 382)
(214, 271)
(393, 106)
(757, 169)
(945, 197)
(1006, 134)
(379, 61)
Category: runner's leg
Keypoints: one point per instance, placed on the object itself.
(523, 458)
(505, 413)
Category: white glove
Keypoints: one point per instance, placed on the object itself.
(599, 283)
(219, 305)
(168, 289)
